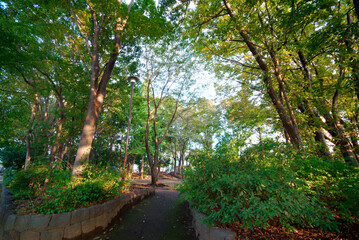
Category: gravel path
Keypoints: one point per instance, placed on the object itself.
(162, 217)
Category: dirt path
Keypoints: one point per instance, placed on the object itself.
(162, 217)
(163, 181)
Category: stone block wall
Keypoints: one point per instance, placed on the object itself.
(79, 224)
(206, 232)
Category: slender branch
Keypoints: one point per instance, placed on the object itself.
(25, 79)
(173, 115)
(227, 59)
(200, 25)
(336, 94)
(270, 21)
(5, 90)
(78, 23)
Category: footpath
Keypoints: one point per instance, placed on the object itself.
(162, 217)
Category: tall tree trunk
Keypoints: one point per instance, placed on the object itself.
(94, 107)
(322, 147)
(340, 139)
(174, 163)
(60, 123)
(313, 121)
(289, 125)
(62, 152)
(131, 166)
(154, 175)
(109, 154)
(129, 124)
(333, 126)
(141, 168)
(180, 164)
(283, 91)
(120, 158)
(152, 116)
(153, 167)
(174, 155)
(34, 108)
(97, 88)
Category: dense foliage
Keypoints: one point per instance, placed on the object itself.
(271, 182)
(283, 69)
(51, 190)
(12, 157)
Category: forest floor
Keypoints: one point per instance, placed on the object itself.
(166, 181)
(277, 232)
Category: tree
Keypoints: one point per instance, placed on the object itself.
(277, 44)
(167, 73)
(99, 23)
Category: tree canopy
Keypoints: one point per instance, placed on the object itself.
(286, 75)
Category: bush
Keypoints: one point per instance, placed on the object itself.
(72, 197)
(27, 183)
(9, 175)
(12, 157)
(333, 181)
(54, 191)
(255, 188)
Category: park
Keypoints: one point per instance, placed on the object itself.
(174, 120)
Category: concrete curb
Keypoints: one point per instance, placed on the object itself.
(206, 232)
(82, 223)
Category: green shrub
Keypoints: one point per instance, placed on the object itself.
(12, 157)
(26, 183)
(8, 176)
(255, 188)
(87, 192)
(70, 198)
(56, 192)
(332, 180)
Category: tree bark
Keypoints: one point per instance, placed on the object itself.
(337, 132)
(313, 119)
(35, 106)
(97, 96)
(60, 123)
(109, 154)
(97, 88)
(333, 126)
(141, 169)
(128, 127)
(174, 154)
(154, 175)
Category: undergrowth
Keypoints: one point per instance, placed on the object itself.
(47, 190)
(271, 183)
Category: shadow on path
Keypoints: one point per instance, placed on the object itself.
(162, 217)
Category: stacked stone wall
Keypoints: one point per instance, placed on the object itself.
(207, 232)
(82, 223)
